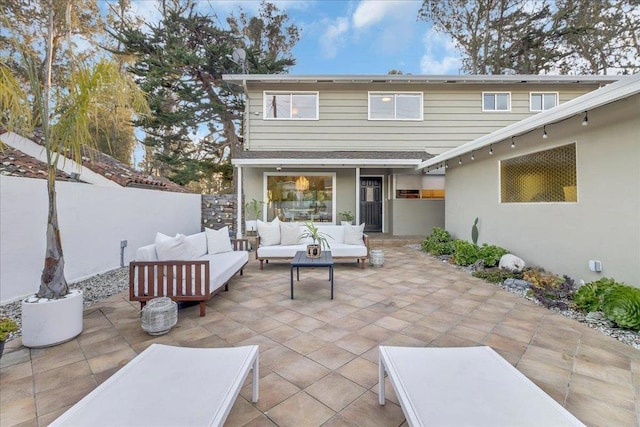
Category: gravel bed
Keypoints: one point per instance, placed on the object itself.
(95, 289)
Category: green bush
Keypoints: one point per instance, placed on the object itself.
(491, 254)
(495, 275)
(621, 303)
(589, 296)
(439, 243)
(465, 253)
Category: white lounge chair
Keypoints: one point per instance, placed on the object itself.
(466, 386)
(169, 386)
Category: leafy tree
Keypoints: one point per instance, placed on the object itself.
(524, 37)
(180, 62)
(64, 115)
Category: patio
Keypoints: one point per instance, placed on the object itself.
(318, 357)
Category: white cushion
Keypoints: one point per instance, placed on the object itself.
(269, 232)
(199, 242)
(147, 253)
(288, 251)
(290, 233)
(218, 241)
(174, 248)
(335, 233)
(353, 234)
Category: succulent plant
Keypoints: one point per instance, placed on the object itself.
(589, 296)
(474, 232)
(621, 304)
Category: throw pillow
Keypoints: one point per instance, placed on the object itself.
(353, 234)
(173, 248)
(290, 233)
(199, 242)
(269, 232)
(218, 241)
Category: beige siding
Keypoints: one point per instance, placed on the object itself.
(603, 225)
(452, 115)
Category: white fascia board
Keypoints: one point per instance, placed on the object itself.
(404, 78)
(325, 162)
(625, 87)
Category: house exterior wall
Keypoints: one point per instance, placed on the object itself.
(415, 217)
(452, 115)
(93, 220)
(603, 225)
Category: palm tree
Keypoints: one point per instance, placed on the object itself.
(65, 115)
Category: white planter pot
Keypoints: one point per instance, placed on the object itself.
(251, 225)
(52, 322)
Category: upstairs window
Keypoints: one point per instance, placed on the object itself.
(395, 106)
(540, 101)
(496, 101)
(291, 105)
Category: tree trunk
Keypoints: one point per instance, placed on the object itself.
(53, 285)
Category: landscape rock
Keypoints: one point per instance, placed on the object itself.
(516, 284)
(512, 263)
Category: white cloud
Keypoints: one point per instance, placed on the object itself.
(371, 12)
(333, 36)
(440, 56)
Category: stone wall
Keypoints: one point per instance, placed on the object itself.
(219, 210)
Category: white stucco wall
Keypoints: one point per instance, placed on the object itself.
(93, 220)
(603, 225)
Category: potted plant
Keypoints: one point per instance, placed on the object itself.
(347, 217)
(66, 115)
(6, 327)
(253, 209)
(318, 238)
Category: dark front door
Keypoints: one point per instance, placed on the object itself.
(371, 203)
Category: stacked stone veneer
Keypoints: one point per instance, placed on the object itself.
(219, 210)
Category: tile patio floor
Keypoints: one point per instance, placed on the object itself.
(319, 357)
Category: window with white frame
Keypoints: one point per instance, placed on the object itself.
(395, 106)
(540, 101)
(300, 197)
(496, 101)
(291, 105)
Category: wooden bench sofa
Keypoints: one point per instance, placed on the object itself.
(285, 246)
(195, 280)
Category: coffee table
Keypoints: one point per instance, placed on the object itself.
(301, 260)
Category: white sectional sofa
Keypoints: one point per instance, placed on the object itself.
(281, 240)
(200, 264)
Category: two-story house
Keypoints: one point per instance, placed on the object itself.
(316, 146)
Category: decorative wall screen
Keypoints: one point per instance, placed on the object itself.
(542, 177)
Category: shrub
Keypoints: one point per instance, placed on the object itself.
(589, 297)
(6, 327)
(439, 243)
(621, 304)
(465, 253)
(491, 254)
(552, 291)
(496, 275)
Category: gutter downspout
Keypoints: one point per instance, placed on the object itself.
(239, 204)
(245, 145)
(357, 216)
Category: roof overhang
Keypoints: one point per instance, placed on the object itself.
(320, 162)
(417, 79)
(624, 88)
(330, 159)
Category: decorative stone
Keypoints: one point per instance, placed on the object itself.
(512, 263)
(159, 315)
(376, 258)
(517, 284)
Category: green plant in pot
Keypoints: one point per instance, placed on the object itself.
(6, 327)
(319, 239)
(252, 211)
(347, 216)
(70, 114)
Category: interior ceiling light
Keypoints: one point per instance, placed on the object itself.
(386, 98)
(544, 133)
(585, 120)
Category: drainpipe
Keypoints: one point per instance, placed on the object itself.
(239, 204)
(357, 216)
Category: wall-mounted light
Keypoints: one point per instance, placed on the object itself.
(459, 160)
(544, 133)
(585, 120)
(491, 150)
(513, 143)
(446, 165)
(473, 156)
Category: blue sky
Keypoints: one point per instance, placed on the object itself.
(352, 36)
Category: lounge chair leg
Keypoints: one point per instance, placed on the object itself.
(202, 308)
(381, 399)
(242, 272)
(261, 266)
(226, 287)
(256, 376)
